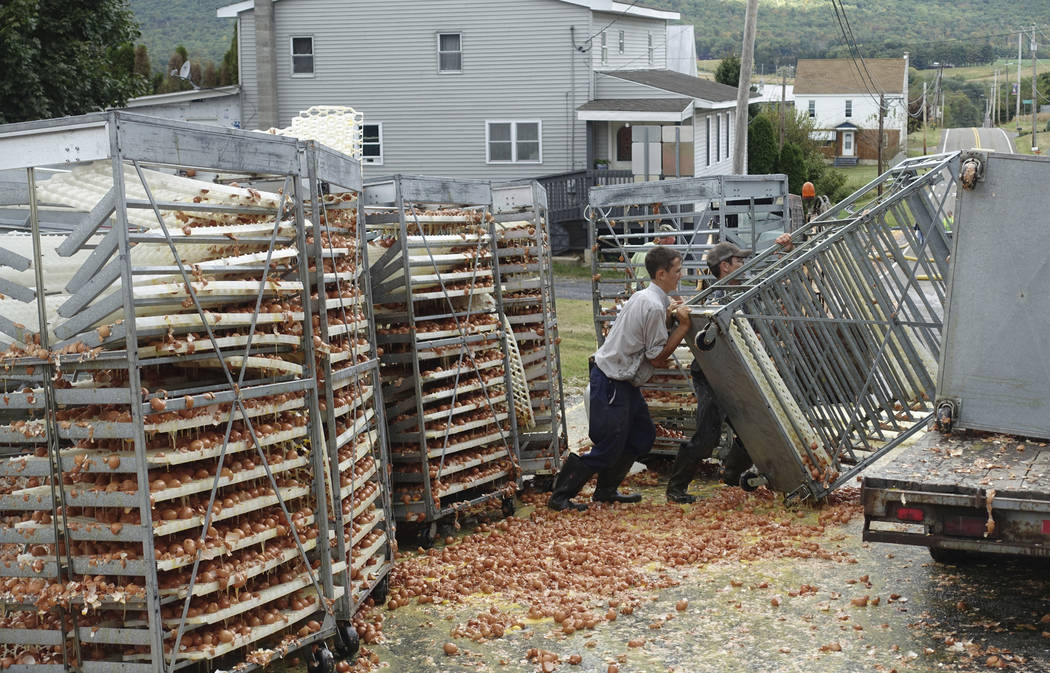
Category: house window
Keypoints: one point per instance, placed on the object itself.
(513, 142)
(372, 144)
(727, 135)
(718, 136)
(450, 52)
(605, 48)
(708, 141)
(651, 51)
(849, 108)
(302, 57)
(812, 109)
(623, 144)
(621, 42)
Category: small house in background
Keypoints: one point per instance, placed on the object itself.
(841, 97)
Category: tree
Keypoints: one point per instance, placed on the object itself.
(228, 69)
(142, 66)
(728, 71)
(65, 58)
(210, 78)
(792, 163)
(761, 147)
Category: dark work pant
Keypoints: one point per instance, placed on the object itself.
(709, 420)
(619, 422)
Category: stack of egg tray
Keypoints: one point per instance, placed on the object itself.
(158, 487)
(348, 378)
(625, 220)
(527, 280)
(445, 364)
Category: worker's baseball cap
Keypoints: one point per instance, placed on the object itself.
(723, 251)
(665, 227)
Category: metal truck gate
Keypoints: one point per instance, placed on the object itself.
(993, 373)
(163, 479)
(825, 358)
(445, 366)
(625, 220)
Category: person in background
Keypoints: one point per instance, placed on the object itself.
(638, 258)
(722, 260)
(620, 427)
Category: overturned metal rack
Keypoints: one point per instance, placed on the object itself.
(527, 284)
(825, 357)
(155, 259)
(446, 367)
(625, 220)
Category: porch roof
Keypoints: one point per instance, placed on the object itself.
(636, 110)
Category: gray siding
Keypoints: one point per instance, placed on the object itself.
(517, 65)
(719, 165)
(246, 64)
(607, 86)
(636, 42)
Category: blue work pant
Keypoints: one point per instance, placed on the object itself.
(619, 422)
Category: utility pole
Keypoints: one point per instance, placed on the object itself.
(882, 116)
(743, 93)
(924, 152)
(1017, 115)
(1035, 103)
(995, 99)
(783, 95)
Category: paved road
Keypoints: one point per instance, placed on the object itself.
(996, 140)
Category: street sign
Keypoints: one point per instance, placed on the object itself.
(1026, 101)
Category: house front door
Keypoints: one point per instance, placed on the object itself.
(848, 146)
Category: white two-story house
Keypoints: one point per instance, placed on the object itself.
(841, 97)
(490, 88)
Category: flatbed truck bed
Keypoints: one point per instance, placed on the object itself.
(964, 492)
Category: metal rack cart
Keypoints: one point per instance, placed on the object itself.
(625, 220)
(351, 400)
(825, 358)
(159, 420)
(445, 364)
(527, 282)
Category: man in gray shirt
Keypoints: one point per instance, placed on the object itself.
(620, 427)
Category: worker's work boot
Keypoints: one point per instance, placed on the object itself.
(573, 475)
(686, 464)
(610, 479)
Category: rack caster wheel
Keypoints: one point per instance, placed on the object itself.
(347, 641)
(428, 533)
(508, 506)
(749, 481)
(380, 590)
(321, 660)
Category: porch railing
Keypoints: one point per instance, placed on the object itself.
(567, 192)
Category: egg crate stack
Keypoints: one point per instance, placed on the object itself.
(185, 520)
(348, 371)
(527, 280)
(445, 365)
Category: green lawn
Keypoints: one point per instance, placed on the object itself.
(1023, 143)
(933, 142)
(576, 329)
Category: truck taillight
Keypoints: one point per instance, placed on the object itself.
(910, 514)
(969, 526)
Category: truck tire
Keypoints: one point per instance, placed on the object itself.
(951, 556)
